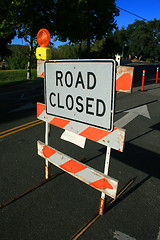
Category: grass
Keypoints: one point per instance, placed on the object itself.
(14, 76)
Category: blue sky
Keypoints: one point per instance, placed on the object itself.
(148, 9)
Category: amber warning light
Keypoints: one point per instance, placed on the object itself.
(43, 39)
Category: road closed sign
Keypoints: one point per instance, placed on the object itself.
(81, 90)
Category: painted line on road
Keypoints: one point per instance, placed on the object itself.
(19, 128)
(122, 236)
(158, 237)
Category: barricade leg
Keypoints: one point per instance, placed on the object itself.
(47, 168)
(106, 168)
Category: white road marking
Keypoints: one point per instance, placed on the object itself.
(158, 237)
(131, 114)
(122, 236)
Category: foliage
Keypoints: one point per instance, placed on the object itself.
(144, 39)
(7, 28)
(84, 20)
(32, 16)
(105, 48)
(88, 27)
(120, 39)
(78, 21)
(140, 39)
(29, 17)
(67, 52)
(19, 57)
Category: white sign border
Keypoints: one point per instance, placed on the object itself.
(112, 90)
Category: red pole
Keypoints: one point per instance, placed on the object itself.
(143, 79)
(157, 74)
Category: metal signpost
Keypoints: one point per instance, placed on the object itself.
(79, 97)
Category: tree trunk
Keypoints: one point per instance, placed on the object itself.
(80, 50)
(88, 47)
(88, 29)
(29, 76)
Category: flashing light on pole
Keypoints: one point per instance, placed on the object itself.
(43, 38)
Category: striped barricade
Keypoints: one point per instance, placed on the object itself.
(113, 139)
(84, 173)
(124, 78)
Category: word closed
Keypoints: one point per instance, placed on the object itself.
(82, 91)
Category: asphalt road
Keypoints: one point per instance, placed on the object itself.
(59, 208)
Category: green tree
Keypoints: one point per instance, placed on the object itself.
(153, 46)
(85, 20)
(144, 39)
(7, 28)
(121, 41)
(104, 48)
(18, 57)
(30, 17)
(68, 51)
(138, 38)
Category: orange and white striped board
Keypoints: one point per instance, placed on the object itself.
(124, 78)
(113, 139)
(84, 173)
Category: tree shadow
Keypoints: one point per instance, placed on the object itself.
(140, 158)
(16, 96)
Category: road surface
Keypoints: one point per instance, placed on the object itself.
(59, 208)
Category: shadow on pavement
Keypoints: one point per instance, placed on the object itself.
(140, 158)
(127, 193)
(19, 100)
(134, 156)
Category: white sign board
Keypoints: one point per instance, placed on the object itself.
(81, 91)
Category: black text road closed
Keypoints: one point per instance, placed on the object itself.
(81, 91)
